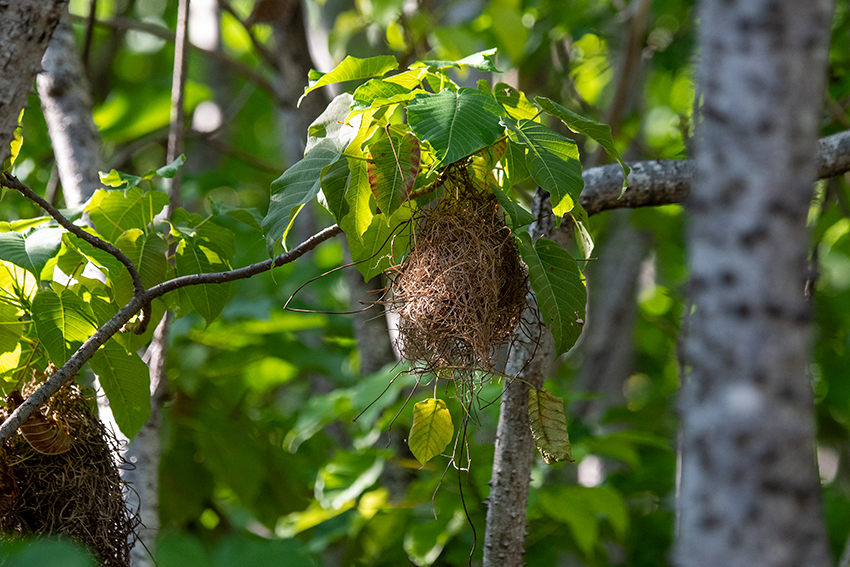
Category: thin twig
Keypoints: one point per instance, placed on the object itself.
(178, 88)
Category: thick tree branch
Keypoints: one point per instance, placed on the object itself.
(653, 183)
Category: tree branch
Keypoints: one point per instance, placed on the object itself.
(666, 182)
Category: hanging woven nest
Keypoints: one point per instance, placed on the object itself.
(60, 477)
(462, 288)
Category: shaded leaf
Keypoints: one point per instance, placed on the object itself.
(193, 256)
(394, 167)
(62, 322)
(332, 125)
(549, 426)
(34, 251)
(346, 477)
(431, 431)
(350, 69)
(147, 252)
(424, 542)
(518, 215)
(382, 244)
(125, 380)
(455, 123)
(590, 128)
(170, 170)
(553, 162)
(582, 230)
(248, 216)
(560, 289)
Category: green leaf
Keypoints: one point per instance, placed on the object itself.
(119, 179)
(191, 225)
(62, 322)
(11, 328)
(425, 541)
(515, 163)
(346, 477)
(549, 426)
(431, 431)
(580, 508)
(382, 244)
(483, 61)
(515, 103)
(34, 251)
(114, 212)
(170, 170)
(147, 252)
(590, 128)
(250, 217)
(455, 123)
(125, 380)
(519, 216)
(296, 187)
(194, 256)
(553, 161)
(380, 92)
(582, 230)
(559, 286)
(351, 69)
(394, 167)
(333, 126)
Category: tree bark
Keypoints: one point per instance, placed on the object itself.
(26, 27)
(750, 493)
(66, 102)
(530, 359)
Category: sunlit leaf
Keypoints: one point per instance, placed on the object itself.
(11, 328)
(553, 162)
(380, 92)
(333, 125)
(515, 102)
(483, 61)
(455, 123)
(350, 69)
(346, 477)
(394, 167)
(590, 128)
(170, 170)
(560, 289)
(119, 179)
(431, 431)
(348, 196)
(582, 230)
(62, 322)
(16, 143)
(549, 426)
(125, 380)
(114, 212)
(34, 251)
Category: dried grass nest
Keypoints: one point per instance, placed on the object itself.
(78, 493)
(462, 288)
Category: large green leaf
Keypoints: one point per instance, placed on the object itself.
(348, 196)
(382, 244)
(455, 123)
(559, 286)
(394, 167)
(351, 69)
(125, 380)
(194, 256)
(515, 103)
(483, 61)
(33, 252)
(380, 92)
(11, 328)
(191, 225)
(553, 161)
(580, 508)
(431, 431)
(62, 322)
(590, 128)
(114, 212)
(549, 426)
(333, 125)
(519, 217)
(147, 252)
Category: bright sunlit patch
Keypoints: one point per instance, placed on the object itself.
(203, 24)
(591, 471)
(207, 117)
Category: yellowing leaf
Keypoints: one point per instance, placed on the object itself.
(549, 426)
(432, 429)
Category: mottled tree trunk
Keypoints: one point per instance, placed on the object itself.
(750, 494)
(26, 27)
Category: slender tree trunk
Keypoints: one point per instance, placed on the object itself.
(66, 102)
(750, 494)
(26, 27)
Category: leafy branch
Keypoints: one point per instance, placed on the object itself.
(141, 297)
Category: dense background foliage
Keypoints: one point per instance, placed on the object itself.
(262, 460)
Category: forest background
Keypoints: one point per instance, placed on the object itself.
(260, 456)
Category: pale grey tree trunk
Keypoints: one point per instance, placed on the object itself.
(26, 27)
(750, 494)
(66, 102)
